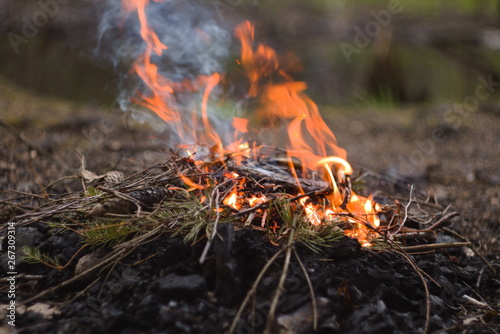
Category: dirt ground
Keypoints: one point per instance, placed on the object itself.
(453, 161)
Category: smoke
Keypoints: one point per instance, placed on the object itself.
(196, 46)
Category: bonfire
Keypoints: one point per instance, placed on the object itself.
(269, 169)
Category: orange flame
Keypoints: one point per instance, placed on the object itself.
(308, 139)
(190, 183)
(232, 200)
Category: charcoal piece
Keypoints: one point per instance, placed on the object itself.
(111, 315)
(395, 299)
(26, 236)
(373, 318)
(302, 319)
(89, 261)
(149, 197)
(343, 249)
(114, 205)
(284, 179)
(174, 286)
(131, 276)
(146, 198)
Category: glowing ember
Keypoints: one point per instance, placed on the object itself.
(256, 200)
(282, 103)
(232, 200)
(312, 214)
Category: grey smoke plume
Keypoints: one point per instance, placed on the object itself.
(196, 46)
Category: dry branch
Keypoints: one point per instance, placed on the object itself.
(121, 251)
(429, 247)
(284, 180)
(444, 221)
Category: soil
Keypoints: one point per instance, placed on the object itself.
(356, 291)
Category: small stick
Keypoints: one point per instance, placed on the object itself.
(407, 206)
(25, 276)
(476, 302)
(217, 218)
(281, 283)
(426, 289)
(415, 235)
(265, 205)
(443, 221)
(57, 181)
(81, 292)
(428, 247)
(214, 232)
(123, 196)
(253, 290)
(120, 251)
(311, 290)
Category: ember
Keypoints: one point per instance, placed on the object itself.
(307, 140)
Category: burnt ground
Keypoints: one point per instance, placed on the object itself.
(357, 291)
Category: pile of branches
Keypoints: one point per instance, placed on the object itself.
(126, 213)
(111, 208)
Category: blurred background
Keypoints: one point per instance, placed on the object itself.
(410, 88)
(352, 51)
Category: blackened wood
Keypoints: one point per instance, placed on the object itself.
(145, 198)
(284, 179)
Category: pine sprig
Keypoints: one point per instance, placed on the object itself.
(313, 237)
(101, 233)
(33, 255)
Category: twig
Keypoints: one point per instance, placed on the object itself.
(281, 283)
(407, 206)
(426, 289)
(217, 218)
(81, 292)
(461, 237)
(311, 290)
(120, 251)
(253, 290)
(214, 231)
(415, 235)
(57, 181)
(25, 193)
(35, 216)
(444, 220)
(476, 302)
(24, 276)
(124, 197)
(106, 279)
(292, 199)
(421, 248)
(480, 277)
